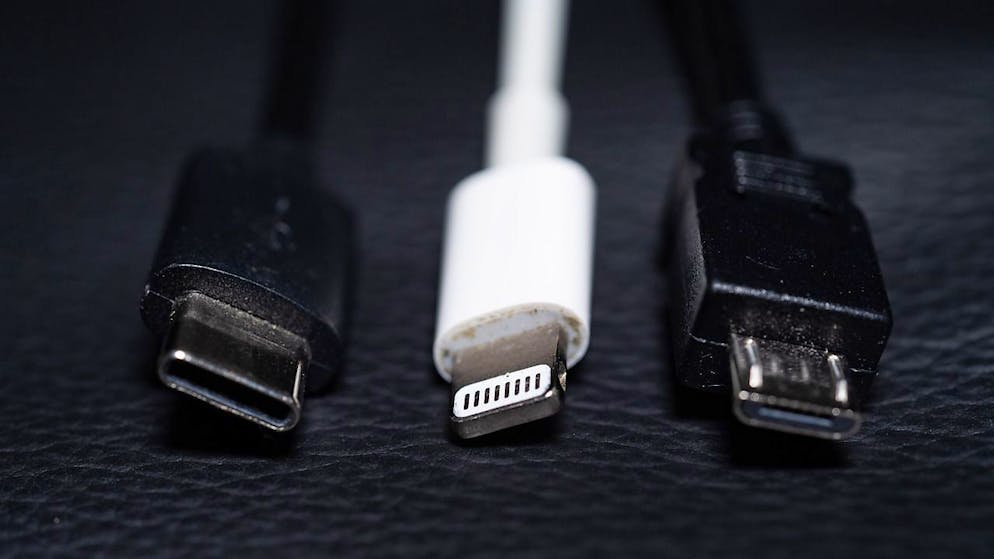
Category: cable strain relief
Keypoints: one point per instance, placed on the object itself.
(525, 124)
(750, 125)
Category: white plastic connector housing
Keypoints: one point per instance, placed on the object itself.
(518, 254)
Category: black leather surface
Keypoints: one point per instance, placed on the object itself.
(99, 106)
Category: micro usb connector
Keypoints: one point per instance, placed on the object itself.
(775, 290)
(791, 388)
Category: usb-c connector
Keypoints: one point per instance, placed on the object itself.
(250, 292)
(235, 361)
(250, 285)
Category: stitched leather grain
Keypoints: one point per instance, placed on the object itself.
(100, 105)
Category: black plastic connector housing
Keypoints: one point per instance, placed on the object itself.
(766, 244)
(256, 257)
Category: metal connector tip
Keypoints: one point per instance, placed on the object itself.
(234, 361)
(508, 382)
(791, 388)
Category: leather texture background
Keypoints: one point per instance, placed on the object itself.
(99, 105)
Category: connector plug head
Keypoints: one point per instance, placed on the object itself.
(234, 361)
(251, 292)
(791, 388)
(508, 382)
(769, 244)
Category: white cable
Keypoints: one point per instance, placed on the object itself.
(528, 115)
(517, 257)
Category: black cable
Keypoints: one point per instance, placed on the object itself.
(713, 53)
(298, 70)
